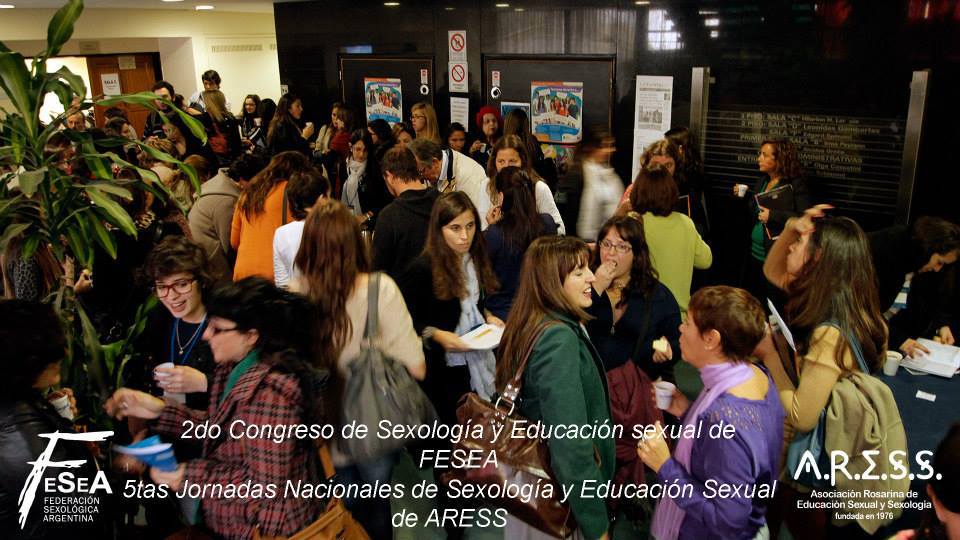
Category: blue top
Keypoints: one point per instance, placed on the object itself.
(507, 264)
(751, 458)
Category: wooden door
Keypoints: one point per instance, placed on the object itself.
(139, 79)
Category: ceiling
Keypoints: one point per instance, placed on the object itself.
(249, 6)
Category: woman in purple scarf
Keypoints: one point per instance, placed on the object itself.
(720, 478)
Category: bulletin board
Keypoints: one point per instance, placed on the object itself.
(517, 72)
(354, 68)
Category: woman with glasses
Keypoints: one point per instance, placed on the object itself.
(424, 121)
(519, 223)
(263, 378)
(635, 316)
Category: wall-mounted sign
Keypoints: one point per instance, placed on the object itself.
(556, 111)
(458, 77)
(127, 62)
(424, 76)
(460, 110)
(651, 118)
(457, 45)
(384, 99)
(111, 84)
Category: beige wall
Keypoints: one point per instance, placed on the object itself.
(189, 43)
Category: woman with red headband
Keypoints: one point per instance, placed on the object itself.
(489, 123)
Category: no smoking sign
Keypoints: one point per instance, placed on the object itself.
(458, 77)
(457, 45)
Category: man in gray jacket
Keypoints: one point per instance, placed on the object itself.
(211, 216)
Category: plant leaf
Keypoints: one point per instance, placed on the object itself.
(61, 26)
(11, 231)
(79, 245)
(117, 215)
(147, 99)
(15, 81)
(111, 188)
(30, 180)
(103, 236)
(72, 79)
(91, 342)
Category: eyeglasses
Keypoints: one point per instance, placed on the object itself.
(181, 286)
(214, 331)
(418, 117)
(621, 248)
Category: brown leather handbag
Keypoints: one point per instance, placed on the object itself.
(335, 523)
(520, 461)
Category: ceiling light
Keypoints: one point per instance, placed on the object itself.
(714, 34)
(642, 2)
(519, 9)
(7, 6)
(448, 8)
(391, 4)
(171, 0)
(203, 8)
(502, 5)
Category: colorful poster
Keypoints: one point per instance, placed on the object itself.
(557, 111)
(384, 100)
(651, 116)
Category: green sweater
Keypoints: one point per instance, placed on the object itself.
(675, 250)
(564, 383)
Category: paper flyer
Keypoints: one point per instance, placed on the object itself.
(652, 111)
(557, 111)
(384, 100)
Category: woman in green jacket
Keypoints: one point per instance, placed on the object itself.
(563, 383)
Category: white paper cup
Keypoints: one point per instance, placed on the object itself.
(741, 190)
(892, 363)
(160, 375)
(664, 392)
(62, 404)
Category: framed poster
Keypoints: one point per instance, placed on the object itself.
(557, 111)
(383, 99)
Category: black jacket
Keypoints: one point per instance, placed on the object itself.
(21, 423)
(616, 342)
(286, 136)
(401, 230)
(894, 256)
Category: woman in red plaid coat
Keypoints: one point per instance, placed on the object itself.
(263, 378)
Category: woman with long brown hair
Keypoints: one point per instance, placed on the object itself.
(824, 266)
(334, 273)
(511, 151)
(445, 289)
(519, 223)
(563, 382)
(259, 212)
(285, 132)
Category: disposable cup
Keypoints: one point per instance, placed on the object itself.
(61, 403)
(664, 392)
(160, 375)
(741, 190)
(892, 363)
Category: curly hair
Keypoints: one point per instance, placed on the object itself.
(785, 154)
(177, 254)
(643, 276)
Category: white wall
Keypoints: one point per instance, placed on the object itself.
(184, 39)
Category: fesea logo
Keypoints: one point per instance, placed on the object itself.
(66, 482)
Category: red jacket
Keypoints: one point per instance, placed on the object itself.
(260, 397)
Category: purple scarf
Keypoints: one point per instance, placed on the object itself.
(717, 379)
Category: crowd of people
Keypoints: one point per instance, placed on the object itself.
(264, 273)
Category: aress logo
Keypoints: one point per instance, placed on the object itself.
(66, 482)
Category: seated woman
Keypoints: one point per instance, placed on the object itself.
(631, 308)
(333, 256)
(33, 345)
(508, 237)
(563, 379)
(263, 376)
(723, 326)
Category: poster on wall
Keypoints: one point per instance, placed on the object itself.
(651, 117)
(384, 100)
(557, 111)
(507, 106)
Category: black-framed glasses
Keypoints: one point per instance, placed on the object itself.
(621, 248)
(180, 286)
(214, 331)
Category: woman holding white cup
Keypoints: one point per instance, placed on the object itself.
(723, 326)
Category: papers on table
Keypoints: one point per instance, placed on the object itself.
(784, 329)
(483, 338)
(152, 452)
(942, 360)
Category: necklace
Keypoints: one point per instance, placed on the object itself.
(176, 331)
